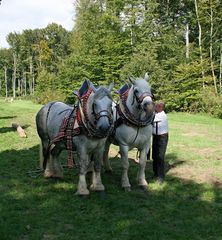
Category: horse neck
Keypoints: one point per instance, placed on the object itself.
(132, 104)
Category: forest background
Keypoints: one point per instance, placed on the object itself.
(179, 44)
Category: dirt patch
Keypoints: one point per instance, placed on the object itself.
(197, 175)
(112, 152)
(204, 151)
(193, 134)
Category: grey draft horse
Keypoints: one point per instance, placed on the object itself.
(133, 118)
(93, 120)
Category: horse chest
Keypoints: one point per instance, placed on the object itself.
(91, 144)
(135, 137)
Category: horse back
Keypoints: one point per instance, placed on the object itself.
(50, 117)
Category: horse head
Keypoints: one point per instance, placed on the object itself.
(95, 106)
(102, 108)
(142, 96)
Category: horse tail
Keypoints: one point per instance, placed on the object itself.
(41, 157)
(43, 153)
(41, 123)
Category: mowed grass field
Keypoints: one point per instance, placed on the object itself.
(187, 206)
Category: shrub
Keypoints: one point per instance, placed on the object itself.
(211, 103)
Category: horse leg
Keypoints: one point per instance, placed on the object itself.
(106, 161)
(53, 167)
(83, 166)
(142, 165)
(125, 163)
(96, 174)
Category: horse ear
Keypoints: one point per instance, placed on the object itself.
(132, 79)
(88, 82)
(146, 77)
(111, 86)
(75, 93)
(93, 87)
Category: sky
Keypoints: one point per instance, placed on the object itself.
(17, 15)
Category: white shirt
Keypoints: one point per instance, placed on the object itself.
(160, 125)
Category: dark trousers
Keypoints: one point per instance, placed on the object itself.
(159, 147)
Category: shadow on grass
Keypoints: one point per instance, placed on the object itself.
(7, 117)
(48, 209)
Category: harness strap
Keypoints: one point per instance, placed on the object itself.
(66, 133)
(127, 117)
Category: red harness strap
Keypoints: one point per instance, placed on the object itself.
(66, 133)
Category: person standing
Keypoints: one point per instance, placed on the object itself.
(160, 141)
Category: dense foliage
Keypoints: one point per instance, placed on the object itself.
(177, 42)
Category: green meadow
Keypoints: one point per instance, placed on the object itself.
(187, 206)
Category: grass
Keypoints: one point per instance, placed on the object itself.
(187, 206)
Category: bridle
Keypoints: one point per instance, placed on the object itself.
(140, 99)
(102, 113)
(90, 126)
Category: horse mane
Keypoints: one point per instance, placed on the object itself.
(102, 92)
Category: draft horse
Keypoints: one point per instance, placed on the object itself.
(133, 117)
(83, 129)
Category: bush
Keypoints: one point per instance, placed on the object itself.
(48, 96)
(211, 103)
(46, 89)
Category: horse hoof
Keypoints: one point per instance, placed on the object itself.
(127, 189)
(53, 175)
(82, 193)
(97, 188)
(144, 188)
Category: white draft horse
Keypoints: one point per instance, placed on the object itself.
(84, 130)
(133, 117)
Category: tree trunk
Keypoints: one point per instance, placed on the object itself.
(211, 48)
(200, 41)
(25, 85)
(19, 87)
(220, 76)
(187, 41)
(14, 75)
(32, 79)
(6, 82)
(33, 82)
(167, 8)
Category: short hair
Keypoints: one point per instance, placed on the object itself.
(160, 104)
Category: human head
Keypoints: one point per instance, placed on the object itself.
(159, 107)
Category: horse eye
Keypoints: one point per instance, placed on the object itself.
(136, 91)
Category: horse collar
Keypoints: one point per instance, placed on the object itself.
(84, 121)
(127, 117)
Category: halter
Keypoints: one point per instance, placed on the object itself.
(100, 114)
(140, 98)
(125, 114)
(89, 126)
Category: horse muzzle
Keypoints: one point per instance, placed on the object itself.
(104, 124)
(148, 107)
